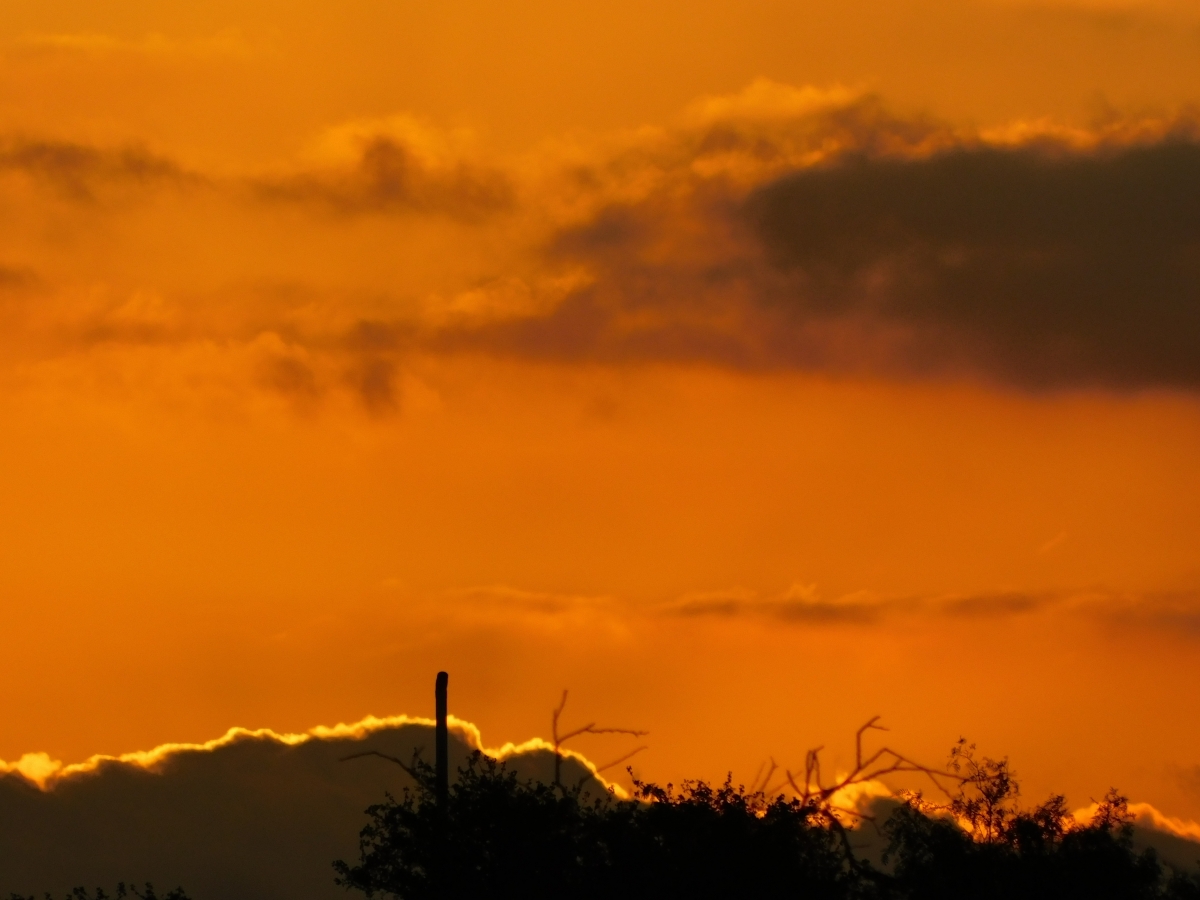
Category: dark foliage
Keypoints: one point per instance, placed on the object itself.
(1008, 852)
(499, 837)
(982, 844)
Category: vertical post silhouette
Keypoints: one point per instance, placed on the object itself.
(442, 742)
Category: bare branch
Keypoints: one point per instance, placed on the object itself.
(795, 787)
(883, 761)
(393, 759)
(554, 718)
(590, 728)
(757, 775)
(858, 739)
(772, 791)
(759, 785)
(616, 762)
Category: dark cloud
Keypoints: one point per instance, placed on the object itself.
(16, 279)
(1176, 612)
(999, 603)
(374, 380)
(1187, 778)
(802, 610)
(389, 177)
(255, 818)
(1038, 265)
(83, 172)
(386, 176)
(290, 376)
(372, 350)
(1152, 833)
(1173, 612)
(806, 608)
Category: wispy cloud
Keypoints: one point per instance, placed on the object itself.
(801, 604)
(390, 166)
(85, 172)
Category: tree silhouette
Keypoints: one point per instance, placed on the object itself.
(982, 845)
(123, 892)
(502, 837)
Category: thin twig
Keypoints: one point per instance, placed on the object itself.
(883, 761)
(760, 784)
(757, 774)
(590, 728)
(401, 764)
(616, 762)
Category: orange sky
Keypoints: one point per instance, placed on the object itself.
(556, 346)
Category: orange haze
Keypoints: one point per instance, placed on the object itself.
(340, 343)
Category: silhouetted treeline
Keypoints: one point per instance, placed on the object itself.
(122, 892)
(499, 837)
(988, 846)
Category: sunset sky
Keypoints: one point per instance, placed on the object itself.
(750, 369)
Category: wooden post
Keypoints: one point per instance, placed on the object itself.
(442, 742)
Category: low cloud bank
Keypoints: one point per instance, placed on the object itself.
(838, 237)
(253, 814)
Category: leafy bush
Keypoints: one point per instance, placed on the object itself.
(499, 837)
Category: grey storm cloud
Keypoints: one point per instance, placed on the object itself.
(253, 818)
(1039, 266)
